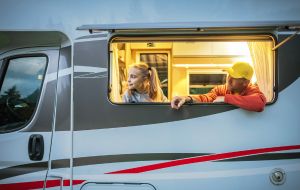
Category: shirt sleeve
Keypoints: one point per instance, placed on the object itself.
(254, 100)
(125, 97)
(212, 95)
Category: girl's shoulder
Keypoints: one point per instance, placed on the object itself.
(131, 97)
(126, 97)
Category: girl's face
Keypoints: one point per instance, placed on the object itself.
(136, 80)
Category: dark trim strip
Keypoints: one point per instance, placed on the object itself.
(32, 167)
(23, 169)
(131, 158)
(261, 157)
(63, 163)
(174, 156)
(206, 158)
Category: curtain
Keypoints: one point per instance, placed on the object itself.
(115, 76)
(263, 63)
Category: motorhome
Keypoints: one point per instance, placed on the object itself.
(63, 124)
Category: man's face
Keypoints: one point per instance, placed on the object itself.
(236, 85)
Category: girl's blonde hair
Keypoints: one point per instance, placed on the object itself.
(150, 73)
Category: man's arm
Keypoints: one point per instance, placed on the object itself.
(253, 102)
(178, 101)
(212, 95)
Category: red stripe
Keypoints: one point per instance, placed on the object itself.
(23, 185)
(66, 182)
(52, 183)
(206, 158)
(75, 182)
(37, 184)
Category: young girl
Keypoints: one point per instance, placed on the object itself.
(143, 85)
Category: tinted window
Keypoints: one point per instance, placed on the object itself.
(20, 91)
(207, 79)
(203, 83)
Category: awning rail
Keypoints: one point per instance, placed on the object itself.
(193, 26)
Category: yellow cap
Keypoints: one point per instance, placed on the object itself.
(240, 70)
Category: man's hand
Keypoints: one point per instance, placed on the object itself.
(219, 99)
(178, 101)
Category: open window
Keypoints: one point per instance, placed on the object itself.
(189, 65)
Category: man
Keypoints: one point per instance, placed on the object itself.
(237, 91)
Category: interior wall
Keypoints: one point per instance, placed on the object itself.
(179, 82)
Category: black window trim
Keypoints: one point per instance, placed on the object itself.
(113, 36)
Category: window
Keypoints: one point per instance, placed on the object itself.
(201, 83)
(20, 90)
(190, 65)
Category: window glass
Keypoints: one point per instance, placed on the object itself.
(191, 65)
(20, 91)
(203, 83)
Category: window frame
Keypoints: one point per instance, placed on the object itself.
(186, 36)
(3, 73)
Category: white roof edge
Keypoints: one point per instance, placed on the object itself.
(189, 25)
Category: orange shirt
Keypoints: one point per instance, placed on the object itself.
(251, 98)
